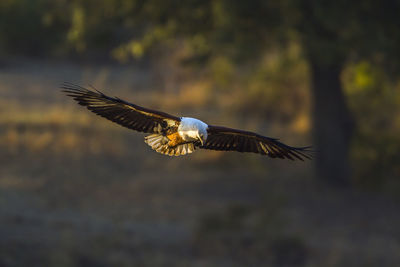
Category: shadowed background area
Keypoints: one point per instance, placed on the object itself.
(78, 190)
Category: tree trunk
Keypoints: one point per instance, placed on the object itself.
(333, 125)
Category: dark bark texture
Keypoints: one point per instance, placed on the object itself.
(333, 125)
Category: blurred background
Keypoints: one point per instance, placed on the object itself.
(78, 190)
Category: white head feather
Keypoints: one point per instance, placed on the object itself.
(191, 129)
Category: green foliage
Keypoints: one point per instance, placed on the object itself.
(280, 79)
(29, 27)
(375, 102)
(237, 29)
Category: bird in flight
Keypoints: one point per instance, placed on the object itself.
(175, 136)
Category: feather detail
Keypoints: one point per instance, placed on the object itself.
(159, 143)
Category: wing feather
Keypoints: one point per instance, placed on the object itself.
(228, 139)
(120, 111)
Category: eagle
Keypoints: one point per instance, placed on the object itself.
(175, 136)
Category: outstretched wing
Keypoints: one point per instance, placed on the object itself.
(227, 139)
(119, 111)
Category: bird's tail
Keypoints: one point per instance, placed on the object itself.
(159, 143)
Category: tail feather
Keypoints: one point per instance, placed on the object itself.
(159, 143)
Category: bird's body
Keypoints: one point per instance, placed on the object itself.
(175, 136)
(182, 141)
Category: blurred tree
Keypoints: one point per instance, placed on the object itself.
(332, 33)
(30, 27)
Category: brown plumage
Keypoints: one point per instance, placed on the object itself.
(227, 139)
(176, 136)
(124, 113)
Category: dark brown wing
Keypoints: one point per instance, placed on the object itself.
(227, 139)
(119, 111)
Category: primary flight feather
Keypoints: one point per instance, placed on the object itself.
(175, 136)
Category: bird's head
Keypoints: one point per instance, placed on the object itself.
(202, 136)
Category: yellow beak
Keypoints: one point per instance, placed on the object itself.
(201, 140)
